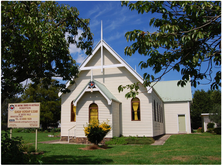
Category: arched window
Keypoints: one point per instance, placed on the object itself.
(73, 112)
(93, 112)
(135, 109)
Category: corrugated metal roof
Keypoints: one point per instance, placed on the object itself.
(105, 91)
(169, 91)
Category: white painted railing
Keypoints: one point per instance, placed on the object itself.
(69, 131)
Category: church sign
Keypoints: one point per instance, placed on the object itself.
(23, 115)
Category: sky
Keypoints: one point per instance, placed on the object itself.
(118, 20)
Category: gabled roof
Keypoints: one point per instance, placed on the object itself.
(170, 92)
(123, 63)
(100, 88)
(118, 57)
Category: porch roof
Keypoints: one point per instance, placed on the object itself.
(98, 87)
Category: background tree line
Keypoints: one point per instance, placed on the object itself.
(205, 102)
(50, 107)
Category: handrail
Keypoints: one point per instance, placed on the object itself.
(69, 130)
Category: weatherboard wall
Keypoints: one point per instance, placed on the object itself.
(115, 119)
(172, 110)
(104, 111)
(158, 126)
(111, 78)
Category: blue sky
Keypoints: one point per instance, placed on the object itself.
(117, 20)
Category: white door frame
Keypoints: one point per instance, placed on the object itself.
(178, 122)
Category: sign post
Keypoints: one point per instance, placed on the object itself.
(24, 115)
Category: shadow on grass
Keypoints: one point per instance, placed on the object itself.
(68, 159)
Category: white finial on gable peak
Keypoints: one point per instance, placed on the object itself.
(101, 30)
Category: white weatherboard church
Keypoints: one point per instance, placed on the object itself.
(163, 109)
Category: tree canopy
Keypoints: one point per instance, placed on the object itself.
(205, 102)
(34, 44)
(50, 108)
(188, 37)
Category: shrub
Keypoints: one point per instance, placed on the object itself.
(17, 130)
(210, 130)
(217, 130)
(117, 141)
(95, 131)
(200, 129)
(210, 125)
(28, 147)
(13, 149)
(130, 140)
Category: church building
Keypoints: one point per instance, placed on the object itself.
(162, 109)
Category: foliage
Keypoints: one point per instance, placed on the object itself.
(203, 102)
(210, 125)
(215, 114)
(50, 107)
(12, 151)
(4, 107)
(116, 141)
(217, 130)
(210, 130)
(130, 140)
(200, 130)
(95, 131)
(188, 38)
(34, 44)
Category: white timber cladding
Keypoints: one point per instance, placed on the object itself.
(115, 116)
(158, 124)
(116, 72)
(172, 110)
(82, 111)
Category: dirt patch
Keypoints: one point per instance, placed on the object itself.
(204, 136)
(95, 147)
(181, 158)
(213, 158)
(34, 153)
(119, 154)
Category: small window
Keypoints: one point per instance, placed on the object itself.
(135, 109)
(73, 112)
(93, 112)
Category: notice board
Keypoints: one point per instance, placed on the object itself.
(23, 115)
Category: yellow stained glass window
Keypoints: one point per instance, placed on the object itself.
(73, 112)
(135, 109)
(93, 112)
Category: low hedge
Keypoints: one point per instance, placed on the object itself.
(130, 140)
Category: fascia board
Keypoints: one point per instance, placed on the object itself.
(90, 56)
(89, 90)
(128, 67)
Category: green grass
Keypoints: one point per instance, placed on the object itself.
(202, 148)
(30, 137)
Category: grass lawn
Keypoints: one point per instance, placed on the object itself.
(202, 148)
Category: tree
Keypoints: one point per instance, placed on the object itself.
(50, 107)
(215, 114)
(201, 103)
(34, 44)
(205, 102)
(188, 37)
(215, 111)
